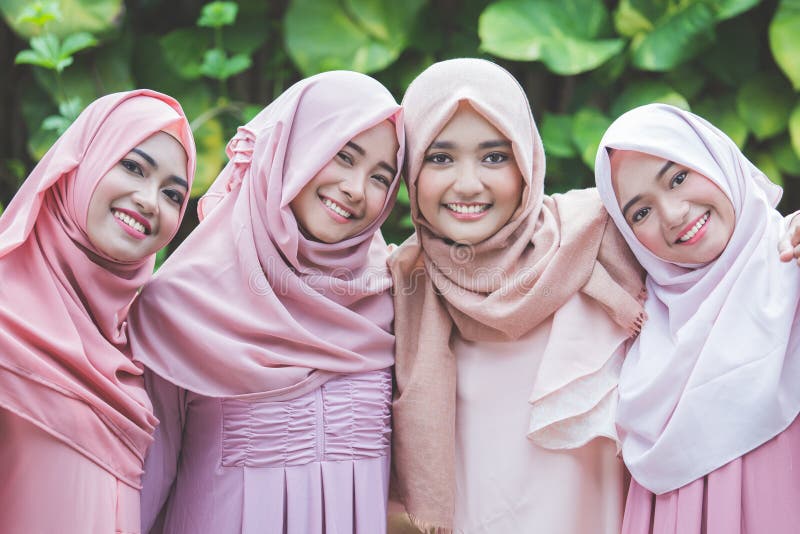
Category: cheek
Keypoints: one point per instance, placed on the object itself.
(649, 237)
(170, 220)
(427, 192)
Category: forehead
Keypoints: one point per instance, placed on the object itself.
(382, 135)
(467, 125)
(632, 170)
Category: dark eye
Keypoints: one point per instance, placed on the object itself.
(382, 180)
(678, 179)
(132, 166)
(439, 159)
(174, 196)
(495, 157)
(639, 214)
(344, 156)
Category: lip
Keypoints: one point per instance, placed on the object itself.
(335, 216)
(467, 216)
(136, 217)
(700, 233)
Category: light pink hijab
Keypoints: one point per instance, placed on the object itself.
(63, 303)
(247, 304)
(716, 370)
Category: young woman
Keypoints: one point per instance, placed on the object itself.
(504, 296)
(76, 243)
(708, 392)
(269, 331)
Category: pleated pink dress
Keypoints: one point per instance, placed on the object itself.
(231, 466)
(754, 494)
(272, 349)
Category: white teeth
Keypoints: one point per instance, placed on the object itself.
(474, 208)
(335, 207)
(690, 234)
(130, 221)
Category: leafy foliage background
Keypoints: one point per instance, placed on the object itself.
(582, 63)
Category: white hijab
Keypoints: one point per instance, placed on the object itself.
(716, 370)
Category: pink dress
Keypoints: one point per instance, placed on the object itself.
(312, 464)
(46, 487)
(506, 483)
(758, 493)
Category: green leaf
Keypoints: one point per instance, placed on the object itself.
(688, 79)
(721, 112)
(764, 103)
(32, 57)
(628, 21)
(63, 64)
(76, 42)
(210, 155)
(57, 123)
(767, 165)
(562, 34)
(785, 157)
(218, 14)
(556, 133)
(727, 9)
(588, 127)
(150, 69)
(679, 37)
(39, 13)
(640, 93)
(237, 64)
(93, 16)
(184, 51)
(214, 64)
(784, 39)
(361, 35)
(48, 48)
(734, 58)
(794, 129)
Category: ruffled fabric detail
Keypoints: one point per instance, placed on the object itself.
(346, 419)
(573, 416)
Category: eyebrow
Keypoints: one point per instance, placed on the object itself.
(146, 157)
(495, 144)
(356, 147)
(179, 181)
(636, 198)
(172, 178)
(388, 168)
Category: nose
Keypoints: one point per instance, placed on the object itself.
(352, 185)
(146, 198)
(675, 212)
(467, 181)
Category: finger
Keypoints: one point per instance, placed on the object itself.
(785, 249)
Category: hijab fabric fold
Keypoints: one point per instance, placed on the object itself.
(63, 303)
(714, 374)
(499, 289)
(248, 304)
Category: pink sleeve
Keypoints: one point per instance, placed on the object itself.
(161, 462)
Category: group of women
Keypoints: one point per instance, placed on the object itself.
(619, 359)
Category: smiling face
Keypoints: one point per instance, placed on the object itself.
(469, 185)
(135, 208)
(349, 192)
(678, 214)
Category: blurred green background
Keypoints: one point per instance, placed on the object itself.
(582, 63)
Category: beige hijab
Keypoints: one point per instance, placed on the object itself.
(499, 289)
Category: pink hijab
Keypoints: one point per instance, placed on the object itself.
(497, 290)
(714, 373)
(247, 304)
(63, 303)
